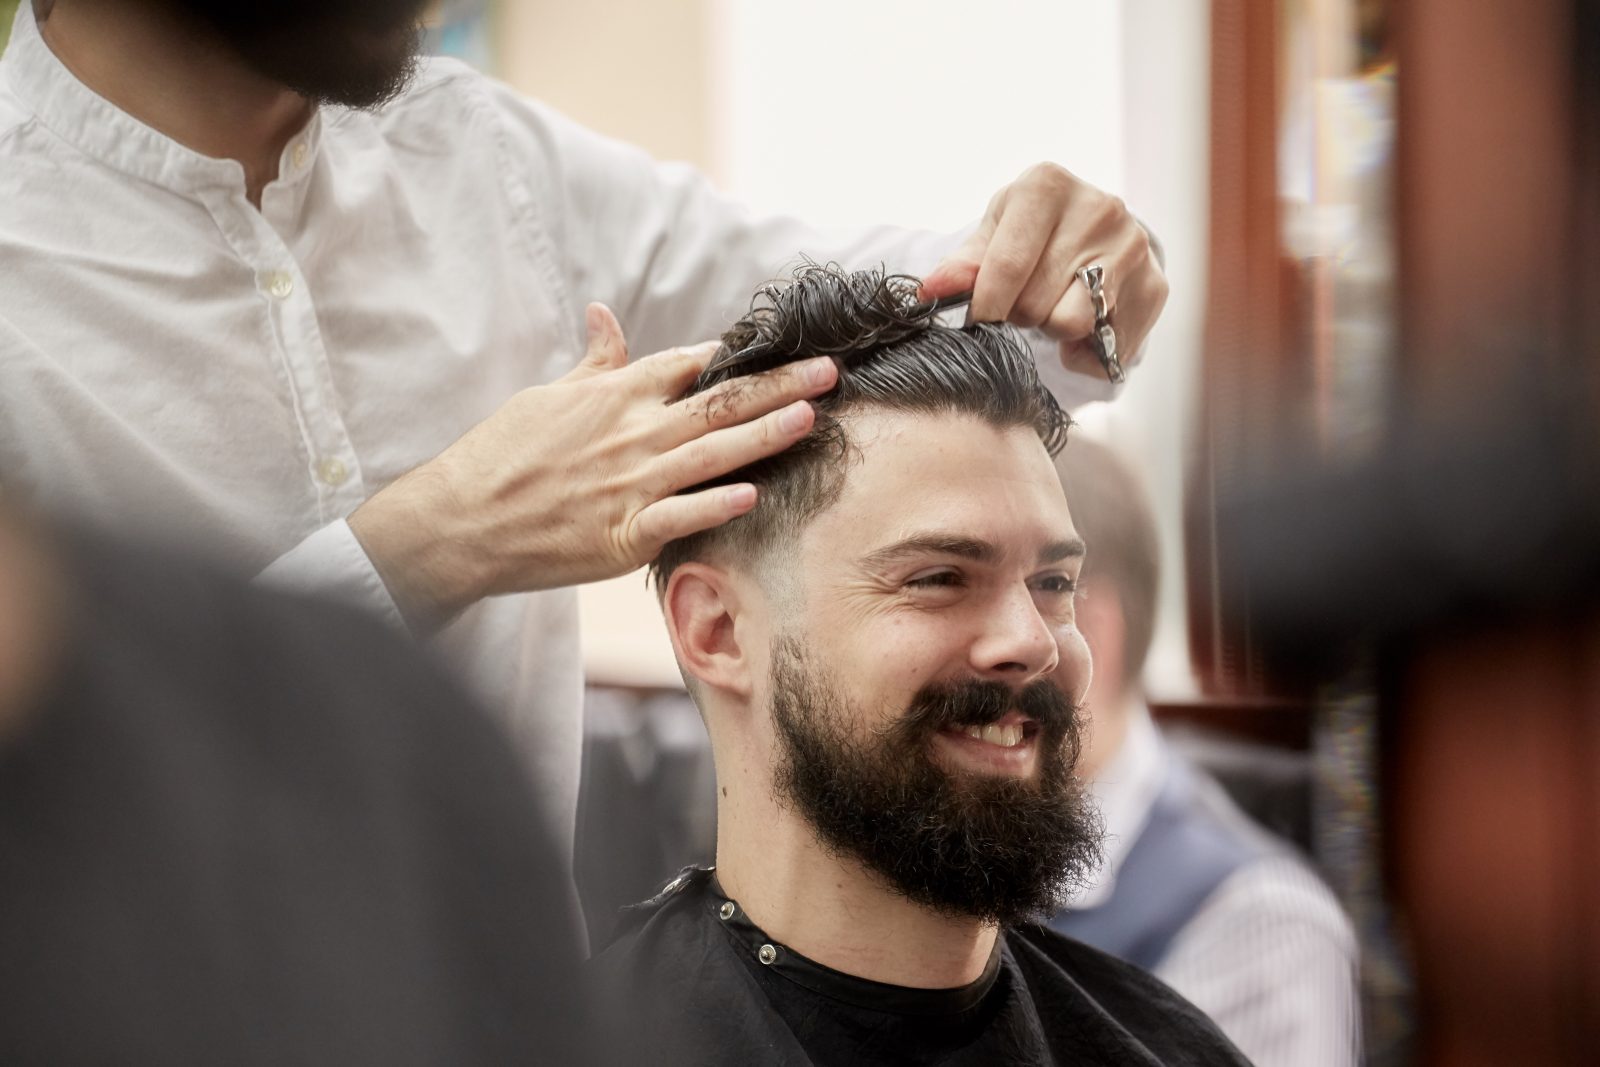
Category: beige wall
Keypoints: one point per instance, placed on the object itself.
(638, 70)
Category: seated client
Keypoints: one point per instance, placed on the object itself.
(885, 656)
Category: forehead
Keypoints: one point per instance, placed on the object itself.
(953, 473)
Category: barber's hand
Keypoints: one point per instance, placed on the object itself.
(1021, 265)
(577, 480)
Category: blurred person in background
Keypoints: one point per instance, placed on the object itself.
(890, 674)
(273, 280)
(1188, 885)
(241, 828)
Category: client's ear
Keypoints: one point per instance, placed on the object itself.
(701, 606)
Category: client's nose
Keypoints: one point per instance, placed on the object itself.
(1015, 643)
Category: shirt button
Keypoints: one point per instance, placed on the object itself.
(332, 472)
(279, 285)
(300, 153)
(767, 954)
(727, 910)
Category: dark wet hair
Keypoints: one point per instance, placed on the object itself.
(893, 355)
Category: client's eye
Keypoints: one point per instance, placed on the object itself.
(1060, 584)
(937, 580)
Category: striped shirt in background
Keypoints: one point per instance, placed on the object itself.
(1231, 917)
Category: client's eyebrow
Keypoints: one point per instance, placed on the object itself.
(964, 547)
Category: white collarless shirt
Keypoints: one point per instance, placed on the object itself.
(173, 358)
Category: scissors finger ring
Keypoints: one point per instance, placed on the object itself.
(1093, 278)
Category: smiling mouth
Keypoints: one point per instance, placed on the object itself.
(1007, 747)
(1008, 735)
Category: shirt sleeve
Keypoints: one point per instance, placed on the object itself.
(331, 563)
(677, 260)
(1273, 960)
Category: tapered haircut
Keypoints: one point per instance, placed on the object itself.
(893, 356)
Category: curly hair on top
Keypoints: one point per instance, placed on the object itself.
(893, 355)
(820, 311)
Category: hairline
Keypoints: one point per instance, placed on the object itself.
(756, 559)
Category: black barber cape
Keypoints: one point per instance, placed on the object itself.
(690, 980)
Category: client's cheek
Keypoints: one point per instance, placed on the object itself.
(1076, 667)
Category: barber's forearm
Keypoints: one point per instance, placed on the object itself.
(423, 559)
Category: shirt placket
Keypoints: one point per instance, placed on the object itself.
(333, 470)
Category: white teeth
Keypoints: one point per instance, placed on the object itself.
(994, 734)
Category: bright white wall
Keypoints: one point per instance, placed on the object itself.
(911, 111)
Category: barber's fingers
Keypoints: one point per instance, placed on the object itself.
(1135, 290)
(1123, 250)
(1136, 300)
(676, 515)
(721, 452)
(958, 271)
(607, 349)
(1029, 218)
(1052, 283)
(668, 374)
(679, 516)
(1010, 245)
(740, 400)
(1072, 317)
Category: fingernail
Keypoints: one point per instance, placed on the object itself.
(740, 496)
(795, 417)
(820, 371)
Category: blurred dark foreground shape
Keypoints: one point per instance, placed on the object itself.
(1462, 566)
(1449, 576)
(238, 828)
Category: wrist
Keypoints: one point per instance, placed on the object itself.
(405, 530)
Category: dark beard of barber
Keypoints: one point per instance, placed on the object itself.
(358, 53)
(998, 849)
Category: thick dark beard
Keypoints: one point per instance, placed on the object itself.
(356, 53)
(998, 849)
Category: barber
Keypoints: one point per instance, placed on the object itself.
(269, 279)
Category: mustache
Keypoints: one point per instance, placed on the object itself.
(972, 702)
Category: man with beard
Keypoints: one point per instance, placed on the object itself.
(886, 659)
(270, 281)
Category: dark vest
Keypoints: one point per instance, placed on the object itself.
(1188, 847)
